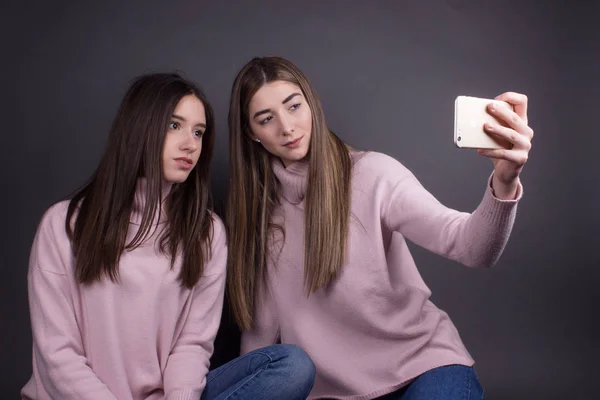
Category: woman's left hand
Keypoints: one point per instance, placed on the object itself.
(508, 163)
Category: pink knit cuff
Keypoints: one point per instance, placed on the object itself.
(498, 211)
(184, 394)
(491, 190)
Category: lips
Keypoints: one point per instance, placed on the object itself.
(185, 162)
(293, 143)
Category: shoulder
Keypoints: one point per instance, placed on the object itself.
(53, 220)
(372, 166)
(51, 250)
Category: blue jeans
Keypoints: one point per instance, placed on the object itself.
(452, 382)
(281, 371)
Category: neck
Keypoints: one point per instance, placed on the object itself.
(293, 178)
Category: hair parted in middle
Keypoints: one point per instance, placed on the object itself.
(254, 193)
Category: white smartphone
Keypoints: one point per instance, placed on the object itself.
(470, 114)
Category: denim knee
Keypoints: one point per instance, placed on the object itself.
(300, 367)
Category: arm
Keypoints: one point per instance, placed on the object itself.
(189, 360)
(57, 346)
(475, 239)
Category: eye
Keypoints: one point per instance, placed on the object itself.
(266, 120)
(174, 125)
(198, 133)
(294, 107)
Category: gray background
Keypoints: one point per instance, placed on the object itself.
(387, 73)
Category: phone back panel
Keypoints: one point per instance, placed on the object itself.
(470, 115)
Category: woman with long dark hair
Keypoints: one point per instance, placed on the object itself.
(126, 279)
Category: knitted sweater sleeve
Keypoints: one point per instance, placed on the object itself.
(475, 239)
(58, 351)
(189, 360)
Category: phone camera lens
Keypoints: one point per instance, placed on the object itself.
(459, 138)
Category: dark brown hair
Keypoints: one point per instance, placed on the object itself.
(254, 193)
(134, 150)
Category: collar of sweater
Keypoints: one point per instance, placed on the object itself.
(293, 179)
(140, 199)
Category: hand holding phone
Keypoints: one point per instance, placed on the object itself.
(470, 115)
(509, 140)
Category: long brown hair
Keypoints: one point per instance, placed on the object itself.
(134, 150)
(254, 193)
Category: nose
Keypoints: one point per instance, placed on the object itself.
(189, 143)
(287, 125)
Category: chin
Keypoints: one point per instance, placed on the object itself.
(176, 178)
(302, 156)
(298, 159)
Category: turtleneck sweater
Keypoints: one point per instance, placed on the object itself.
(373, 329)
(143, 337)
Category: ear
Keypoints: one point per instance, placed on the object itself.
(248, 132)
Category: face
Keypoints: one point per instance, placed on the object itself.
(282, 120)
(183, 141)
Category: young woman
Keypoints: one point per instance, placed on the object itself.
(126, 279)
(317, 250)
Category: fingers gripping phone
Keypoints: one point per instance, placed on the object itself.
(470, 115)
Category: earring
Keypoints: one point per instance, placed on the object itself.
(257, 140)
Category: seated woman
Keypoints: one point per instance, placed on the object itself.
(126, 279)
(318, 254)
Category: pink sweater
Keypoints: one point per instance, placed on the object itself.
(374, 329)
(144, 338)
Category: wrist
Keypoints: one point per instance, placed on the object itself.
(505, 190)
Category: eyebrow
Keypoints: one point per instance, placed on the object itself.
(267, 110)
(200, 124)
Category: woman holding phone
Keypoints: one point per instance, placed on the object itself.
(318, 254)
